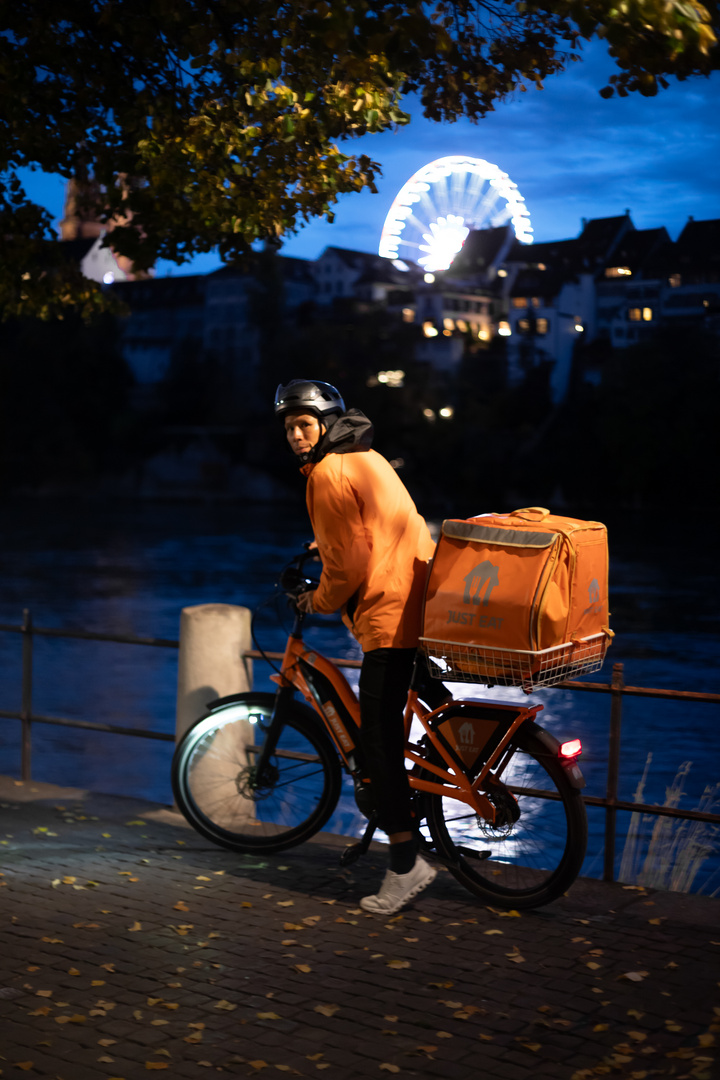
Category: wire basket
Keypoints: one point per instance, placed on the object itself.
(514, 667)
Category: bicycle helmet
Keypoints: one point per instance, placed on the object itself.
(318, 398)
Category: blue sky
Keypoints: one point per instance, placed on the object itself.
(571, 153)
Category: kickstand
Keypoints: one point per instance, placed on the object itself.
(354, 851)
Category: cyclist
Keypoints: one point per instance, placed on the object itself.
(374, 548)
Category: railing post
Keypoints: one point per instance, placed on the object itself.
(26, 706)
(616, 689)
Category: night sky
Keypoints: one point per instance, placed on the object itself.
(572, 154)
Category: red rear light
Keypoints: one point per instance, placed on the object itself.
(571, 749)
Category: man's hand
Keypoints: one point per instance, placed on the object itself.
(305, 602)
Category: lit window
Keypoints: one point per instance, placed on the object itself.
(618, 271)
(429, 414)
(447, 412)
(634, 314)
(430, 330)
(504, 329)
(647, 314)
(519, 302)
(502, 273)
(462, 325)
(484, 333)
(536, 301)
(675, 280)
(523, 326)
(448, 324)
(541, 326)
(429, 278)
(408, 314)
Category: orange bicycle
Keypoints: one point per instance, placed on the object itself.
(496, 797)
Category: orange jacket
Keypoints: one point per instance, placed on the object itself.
(374, 548)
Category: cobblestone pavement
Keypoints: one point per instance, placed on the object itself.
(130, 945)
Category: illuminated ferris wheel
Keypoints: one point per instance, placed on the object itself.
(435, 210)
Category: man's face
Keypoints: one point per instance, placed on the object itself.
(303, 431)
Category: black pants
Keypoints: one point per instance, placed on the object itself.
(384, 680)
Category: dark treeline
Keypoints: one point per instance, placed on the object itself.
(644, 434)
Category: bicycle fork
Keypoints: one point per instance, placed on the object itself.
(272, 734)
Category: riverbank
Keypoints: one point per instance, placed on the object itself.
(131, 944)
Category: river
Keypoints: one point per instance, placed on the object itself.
(131, 568)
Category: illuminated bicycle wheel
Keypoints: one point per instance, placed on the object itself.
(435, 210)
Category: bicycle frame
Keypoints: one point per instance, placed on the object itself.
(327, 690)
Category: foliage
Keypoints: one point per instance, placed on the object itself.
(195, 125)
(64, 394)
(645, 433)
(674, 852)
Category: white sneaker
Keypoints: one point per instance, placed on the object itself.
(397, 889)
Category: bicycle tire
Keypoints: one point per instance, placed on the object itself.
(528, 863)
(212, 775)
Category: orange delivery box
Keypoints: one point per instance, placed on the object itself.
(517, 599)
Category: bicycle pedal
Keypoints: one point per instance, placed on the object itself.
(352, 853)
(471, 853)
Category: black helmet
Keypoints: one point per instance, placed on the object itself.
(319, 398)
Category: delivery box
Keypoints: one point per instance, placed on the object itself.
(517, 599)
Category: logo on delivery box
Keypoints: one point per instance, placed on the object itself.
(480, 582)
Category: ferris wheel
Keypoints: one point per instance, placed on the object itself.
(435, 210)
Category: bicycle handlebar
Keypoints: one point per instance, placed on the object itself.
(293, 580)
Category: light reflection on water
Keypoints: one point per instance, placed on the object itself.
(132, 569)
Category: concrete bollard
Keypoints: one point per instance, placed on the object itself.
(213, 638)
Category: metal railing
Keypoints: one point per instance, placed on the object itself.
(616, 688)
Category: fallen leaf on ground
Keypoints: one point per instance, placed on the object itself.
(634, 976)
(326, 1010)
(398, 963)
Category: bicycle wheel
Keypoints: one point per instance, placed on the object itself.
(213, 776)
(521, 863)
